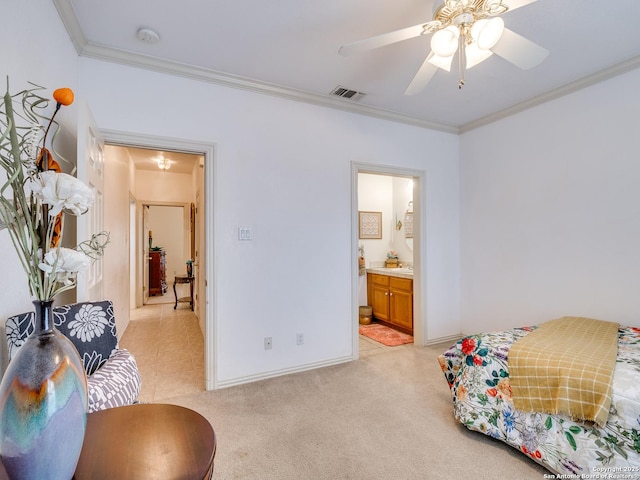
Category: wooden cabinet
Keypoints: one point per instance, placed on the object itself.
(157, 274)
(392, 300)
(378, 295)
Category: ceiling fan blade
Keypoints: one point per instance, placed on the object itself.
(513, 4)
(381, 40)
(519, 50)
(424, 76)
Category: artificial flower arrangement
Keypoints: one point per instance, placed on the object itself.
(36, 195)
(392, 259)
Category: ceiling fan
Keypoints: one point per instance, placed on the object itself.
(473, 28)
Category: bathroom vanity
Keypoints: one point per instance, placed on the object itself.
(390, 293)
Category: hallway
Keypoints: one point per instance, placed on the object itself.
(169, 349)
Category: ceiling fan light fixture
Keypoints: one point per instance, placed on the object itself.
(456, 4)
(487, 32)
(470, 28)
(475, 55)
(441, 62)
(444, 43)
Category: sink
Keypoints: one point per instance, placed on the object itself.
(401, 270)
(392, 271)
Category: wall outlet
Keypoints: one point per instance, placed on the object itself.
(244, 233)
(267, 343)
(299, 339)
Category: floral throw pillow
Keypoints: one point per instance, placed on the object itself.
(90, 326)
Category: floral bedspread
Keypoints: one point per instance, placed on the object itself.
(477, 372)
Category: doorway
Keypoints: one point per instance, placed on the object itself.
(168, 232)
(398, 209)
(202, 192)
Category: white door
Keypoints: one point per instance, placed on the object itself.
(146, 245)
(199, 260)
(90, 285)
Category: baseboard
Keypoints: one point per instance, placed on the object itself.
(286, 371)
(451, 338)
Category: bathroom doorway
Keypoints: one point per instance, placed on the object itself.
(394, 198)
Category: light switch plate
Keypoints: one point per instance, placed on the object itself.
(244, 233)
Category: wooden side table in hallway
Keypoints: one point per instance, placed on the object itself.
(183, 279)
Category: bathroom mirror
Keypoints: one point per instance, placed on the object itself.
(408, 229)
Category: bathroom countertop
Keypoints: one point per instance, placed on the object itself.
(392, 272)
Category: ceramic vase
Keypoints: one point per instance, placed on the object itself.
(43, 404)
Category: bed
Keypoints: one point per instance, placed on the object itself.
(476, 369)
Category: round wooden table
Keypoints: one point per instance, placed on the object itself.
(147, 441)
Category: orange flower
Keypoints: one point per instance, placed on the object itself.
(51, 164)
(461, 393)
(55, 166)
(504, 387)
(64, 96)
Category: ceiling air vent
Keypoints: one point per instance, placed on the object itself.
(346, 93)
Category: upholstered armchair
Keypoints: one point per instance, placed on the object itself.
(113, 378)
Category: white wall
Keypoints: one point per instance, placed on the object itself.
(283, 168)
(117, 222)
(375, 194)
(168, 226)
(168, 188)
(402, 195)
(388, 195)
(550, 211)
(51, 63)
(164, 187)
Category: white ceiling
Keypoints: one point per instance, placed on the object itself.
(290, 48)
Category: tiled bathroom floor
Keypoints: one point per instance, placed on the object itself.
(369, 347)
(169, 349)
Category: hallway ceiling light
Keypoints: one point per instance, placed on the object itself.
(163, 163)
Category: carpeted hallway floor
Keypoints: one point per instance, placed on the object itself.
(385, 416)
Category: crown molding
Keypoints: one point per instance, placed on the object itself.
(70, 21)
(101, 52)
(602, 75)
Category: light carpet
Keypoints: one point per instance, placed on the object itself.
(386, 416)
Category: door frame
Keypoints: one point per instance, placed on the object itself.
(419, 248)
(144, 259)
(90, 169)
(207, 310)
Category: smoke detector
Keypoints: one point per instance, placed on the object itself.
(147, 35)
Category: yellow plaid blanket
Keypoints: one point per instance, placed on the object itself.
(565, 366)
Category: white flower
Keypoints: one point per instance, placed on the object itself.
(67, 263)
(62, 192)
